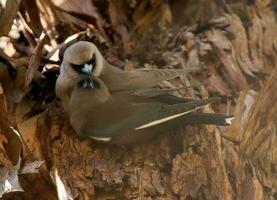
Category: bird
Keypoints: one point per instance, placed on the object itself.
(83, 57)
(132, 116)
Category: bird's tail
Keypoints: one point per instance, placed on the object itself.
(208, 118)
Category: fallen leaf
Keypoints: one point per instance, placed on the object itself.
(33, 16)
(8, 11)
(35, 60)
(32, 167)
(7, 74)
(3, 139)
(9, 181)
(85, 17)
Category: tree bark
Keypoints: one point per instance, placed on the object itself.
(235, 45)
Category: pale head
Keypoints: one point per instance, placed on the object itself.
(84, 58)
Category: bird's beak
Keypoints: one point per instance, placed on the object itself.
(87, 68)
(88, 83)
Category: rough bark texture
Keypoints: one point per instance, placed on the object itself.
(235, 45)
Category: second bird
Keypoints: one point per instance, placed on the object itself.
(131, 116)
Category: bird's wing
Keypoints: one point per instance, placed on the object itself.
(150, 92)
(149, 77)
(141, 78)
(171, 99)
(137, 116)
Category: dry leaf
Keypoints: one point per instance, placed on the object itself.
(8, 11)
(3, 139)
(9, 181)
(7, 75)
(85, 17)
(32, 167)
(35, 60)
(32, 14)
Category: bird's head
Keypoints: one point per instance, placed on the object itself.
(88, 88)
(83, 58)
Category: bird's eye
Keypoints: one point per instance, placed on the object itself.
(77, 67)
(83, 69)
(92, 61)
(87, 67)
